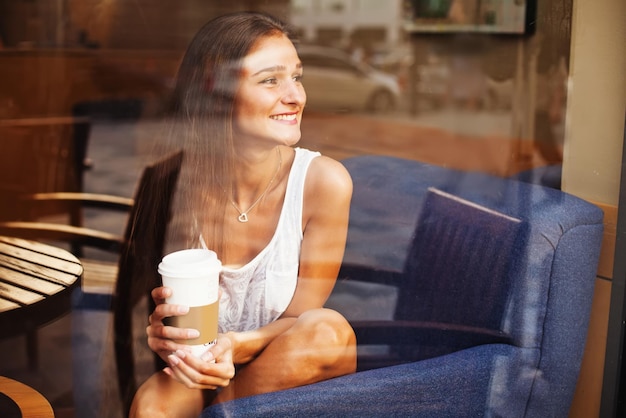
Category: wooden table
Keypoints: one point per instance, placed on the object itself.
(36, 285)
(18, 400)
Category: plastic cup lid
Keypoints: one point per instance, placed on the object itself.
(189, 262)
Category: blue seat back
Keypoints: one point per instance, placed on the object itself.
(458, 269)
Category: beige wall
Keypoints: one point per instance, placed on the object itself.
(596, 101)
(593, 158)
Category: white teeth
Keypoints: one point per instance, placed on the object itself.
(284, 117)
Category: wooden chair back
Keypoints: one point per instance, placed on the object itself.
(138, 253)
(41, 156)
(142, 251)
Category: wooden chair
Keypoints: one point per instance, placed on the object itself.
(20, 400)
(450, 296)
(118, 286)
(42, 156)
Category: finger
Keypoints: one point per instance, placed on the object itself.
(207, 373)
(221, 366)
(164, 347)
(177, 372)
(163, 339)
(218, 350)
(159, 294)
(187, 374)
(165, 310)
(172, 333)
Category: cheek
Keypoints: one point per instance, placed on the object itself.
(248, 117)
(243, 112)
(255, 105)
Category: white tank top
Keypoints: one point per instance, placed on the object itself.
(259, 292)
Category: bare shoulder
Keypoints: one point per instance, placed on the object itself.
(328, 176)
(327, 194)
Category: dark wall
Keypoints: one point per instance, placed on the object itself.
(118, 24)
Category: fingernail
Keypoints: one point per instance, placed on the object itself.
(208, 357)
(182, 309)
(193, 333)
(173, 360)
(167, 371)
(181, 353)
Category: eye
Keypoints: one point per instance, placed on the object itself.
(270, 81)
(298, 78)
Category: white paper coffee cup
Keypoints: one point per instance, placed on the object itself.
(193, 275)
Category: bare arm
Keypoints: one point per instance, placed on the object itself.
(326, 212)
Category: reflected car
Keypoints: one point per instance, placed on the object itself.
(334, 81)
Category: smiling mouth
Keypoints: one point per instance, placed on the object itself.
(289, 117)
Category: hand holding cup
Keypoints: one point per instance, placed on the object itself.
(193, 277)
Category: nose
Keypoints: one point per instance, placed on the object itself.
(294, 93)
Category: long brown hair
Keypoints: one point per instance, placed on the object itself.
(201, 110)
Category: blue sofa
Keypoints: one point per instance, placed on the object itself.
(531, 372)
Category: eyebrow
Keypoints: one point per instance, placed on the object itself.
(274, 69)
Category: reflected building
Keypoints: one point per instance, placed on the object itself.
(348, 22)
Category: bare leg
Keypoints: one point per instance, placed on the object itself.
(162, 396)
(318, 346)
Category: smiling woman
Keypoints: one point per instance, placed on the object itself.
(276, 215)
(270, 99)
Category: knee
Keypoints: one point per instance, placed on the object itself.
(142, 407)
(162, 396)
(326, 328)
(146, 403)
(325, 338)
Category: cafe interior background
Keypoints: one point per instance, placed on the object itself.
(502, 96)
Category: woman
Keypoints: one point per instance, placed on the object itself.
(276, 216)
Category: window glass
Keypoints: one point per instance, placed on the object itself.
(428, 82)
(372, 6)
(300, 6)
(333, 6)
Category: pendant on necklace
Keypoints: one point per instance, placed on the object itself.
(243, 217)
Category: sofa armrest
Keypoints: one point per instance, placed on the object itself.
(457, 385)
(370, 274)
(410, 341)
(402, 332)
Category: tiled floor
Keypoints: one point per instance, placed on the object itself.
(76, 371)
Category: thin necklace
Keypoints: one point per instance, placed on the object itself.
(243, 215)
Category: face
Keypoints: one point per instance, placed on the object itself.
(271, 98)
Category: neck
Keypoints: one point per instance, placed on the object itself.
(254, 176)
